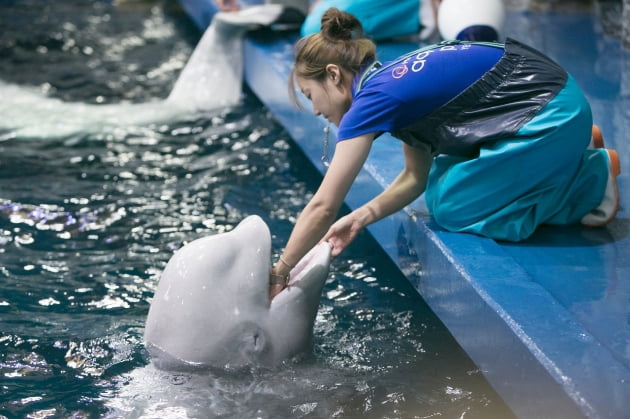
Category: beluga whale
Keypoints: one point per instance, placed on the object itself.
(211, 79)
(211, 306)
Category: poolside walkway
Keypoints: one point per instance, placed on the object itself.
(547, 320)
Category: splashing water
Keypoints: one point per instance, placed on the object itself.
(211, 80)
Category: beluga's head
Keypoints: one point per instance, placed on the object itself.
(211, 307)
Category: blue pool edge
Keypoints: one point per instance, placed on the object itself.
(506, 323)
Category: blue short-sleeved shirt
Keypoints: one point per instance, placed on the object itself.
(406, 89)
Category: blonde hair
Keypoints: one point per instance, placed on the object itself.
(340, 41)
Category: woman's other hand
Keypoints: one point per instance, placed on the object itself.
(342, 233)
(227, 5)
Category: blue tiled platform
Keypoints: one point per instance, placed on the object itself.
(547, 320)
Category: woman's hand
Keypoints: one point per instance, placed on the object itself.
(407, 186)
(227, 5)
(275, 289)
(342, 233)
(278, 278)
(319, 214)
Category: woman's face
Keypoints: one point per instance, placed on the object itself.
(330, 98)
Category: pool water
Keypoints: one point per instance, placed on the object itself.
(89, 220)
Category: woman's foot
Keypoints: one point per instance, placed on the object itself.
(597, 139)
(607, 209)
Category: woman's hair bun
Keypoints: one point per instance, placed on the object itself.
(340, 26)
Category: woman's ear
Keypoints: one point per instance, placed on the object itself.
(333, 72)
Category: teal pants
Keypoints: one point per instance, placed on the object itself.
(544, 174)
(381, 19)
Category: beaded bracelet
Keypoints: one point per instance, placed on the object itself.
(275, 279)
